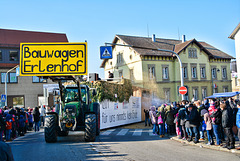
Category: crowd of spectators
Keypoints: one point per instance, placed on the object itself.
(211, 120)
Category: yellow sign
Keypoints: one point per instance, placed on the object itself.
(53, 59)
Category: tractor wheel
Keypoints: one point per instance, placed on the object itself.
(96, 109)
(62, 133)
(90, 127)
(50, 129)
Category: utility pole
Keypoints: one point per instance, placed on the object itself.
(6, 81)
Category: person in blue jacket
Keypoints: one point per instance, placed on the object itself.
(21, 125)
(238, 122)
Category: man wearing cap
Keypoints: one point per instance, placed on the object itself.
(238, 123)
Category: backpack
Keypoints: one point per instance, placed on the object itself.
(8, 125)
(160, 120)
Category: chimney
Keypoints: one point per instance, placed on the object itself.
(183, 38)
(153, 38)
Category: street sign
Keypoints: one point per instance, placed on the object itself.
(17, 71)
(53, 59)
(183, 90)
(3, 98)
(106, 52)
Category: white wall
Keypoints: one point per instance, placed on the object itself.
(237, 49)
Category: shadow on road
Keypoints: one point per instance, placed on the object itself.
(73, 147)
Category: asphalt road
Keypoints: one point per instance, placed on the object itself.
(114, 144)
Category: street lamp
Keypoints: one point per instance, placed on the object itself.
(6, 81)
(215, 76)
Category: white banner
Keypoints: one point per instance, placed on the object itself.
(116, 114)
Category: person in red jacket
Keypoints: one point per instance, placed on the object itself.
(8, 127)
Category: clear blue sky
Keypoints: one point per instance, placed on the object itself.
(98, 21)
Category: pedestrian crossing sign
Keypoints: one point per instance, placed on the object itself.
(3, 98)
(106, 52)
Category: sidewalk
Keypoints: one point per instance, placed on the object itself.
(26, 134)
(202, 144)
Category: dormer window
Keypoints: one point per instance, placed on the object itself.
(192, 53)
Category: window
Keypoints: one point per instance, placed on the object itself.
(194, 72)
(151, 72)
(119, 58)
(120, 74)
(192, 53)
(167, 94)
(145, 93)
(131, 74)
(195, 93)
(130, 57)
(18, 101)
(214, 73)
(185, 75)
(204, 92)
(236, 81)
(224, 73)
(0, 55)
(225, 89)
(11, 78)
(3, 75)
(36, 79)
(203, 72)
(165, 72)
(13, 56)
(154, 95)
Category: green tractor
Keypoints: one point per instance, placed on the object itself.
(74, 111)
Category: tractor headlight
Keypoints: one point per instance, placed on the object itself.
(73, 114)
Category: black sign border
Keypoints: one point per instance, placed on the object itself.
(81, 73)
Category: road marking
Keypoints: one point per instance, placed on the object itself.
(151, 132)
(137, 132)
(108, 132)
(123, 132)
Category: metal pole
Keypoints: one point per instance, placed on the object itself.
(6, 82)
(212, 82)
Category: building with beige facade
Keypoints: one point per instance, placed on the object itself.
(22, 91)
(206, 69)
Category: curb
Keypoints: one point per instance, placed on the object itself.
(202, 145)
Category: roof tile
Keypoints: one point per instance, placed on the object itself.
(15, 37)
